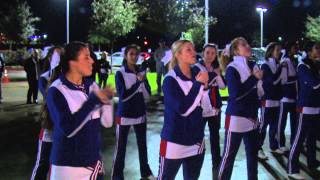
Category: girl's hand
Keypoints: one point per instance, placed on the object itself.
(217, 71)
(203, 77)
(106, 94)
(258, 73)
(140, 77)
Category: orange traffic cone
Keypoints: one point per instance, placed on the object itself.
(5, 78)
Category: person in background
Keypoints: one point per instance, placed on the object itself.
(42, 164)
(308, 107)
(133, 89)
(270, 101)
(212, 102)
(95, 66)
(289, 88)
(243, 78)
(32, 68)
(2, 66)
(104, 68)
(158, 55)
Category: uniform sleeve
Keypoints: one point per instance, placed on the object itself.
(124, 93)
(107, 115)
(268, 77)
(308, 79)
(147, 86)
(175, 98)
(43, 86)
(60, 113)
(235, 87)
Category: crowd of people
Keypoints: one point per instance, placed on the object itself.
(75, 107)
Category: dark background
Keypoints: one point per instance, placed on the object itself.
(284, 18)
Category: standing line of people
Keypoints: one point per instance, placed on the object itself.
(75, 108)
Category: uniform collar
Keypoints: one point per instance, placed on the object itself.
(86, 83)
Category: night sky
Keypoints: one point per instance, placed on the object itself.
(284, 18)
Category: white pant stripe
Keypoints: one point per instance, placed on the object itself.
(280, 122)
(115, 149)
(161, 168)
(38, 160)
(226, 154)
(296, 139)
(262, 118)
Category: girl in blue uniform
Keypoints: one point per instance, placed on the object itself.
(308, 107)
(211, 101)
(242, 77)
(41, 168)
(77, 108)
(182, 135)
(289, 95)
(270, 101)
(133, 88)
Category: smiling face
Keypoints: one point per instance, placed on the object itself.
(210, 54)
(187, 54)
(83, 63)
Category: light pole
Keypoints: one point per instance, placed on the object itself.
(67, 16)
(206, 28)
(261, 10)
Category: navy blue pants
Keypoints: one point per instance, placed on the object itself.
(285, 109)
(231, 146)
(308, 127)
(269, 116)
(120, 150)
(103, 78)
(214, 124)
(169, 168)
(42, 166)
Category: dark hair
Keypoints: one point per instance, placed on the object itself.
(45, 118)
(309, 45)
(270, 48)
(71, 53)
(126, 51)
(289, 45)
(215, 63)
(47, 59)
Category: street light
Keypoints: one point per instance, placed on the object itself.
(67, 16)
(261, 10)
(206, 28)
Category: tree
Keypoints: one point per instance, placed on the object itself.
(172, 17)
(26, 21)
(19, 23)
(313, 28)
(112, 19)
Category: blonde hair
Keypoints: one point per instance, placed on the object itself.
(175, 48)
(228, 54)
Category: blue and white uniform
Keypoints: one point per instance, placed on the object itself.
(289, 88)
(308, 107)
(241, 117)
(42, 164)
(182, 135)
(212, 103)
(270, 101)
(131, 112)
(77, 115)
